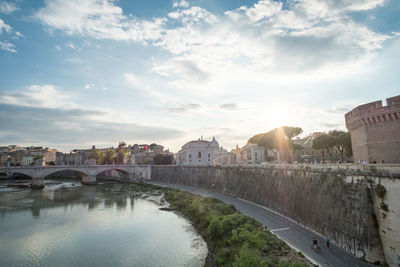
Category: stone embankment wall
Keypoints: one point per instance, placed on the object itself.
(342, 202)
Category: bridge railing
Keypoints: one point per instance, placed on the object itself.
(71, 166)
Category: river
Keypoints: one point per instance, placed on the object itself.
(109, 224)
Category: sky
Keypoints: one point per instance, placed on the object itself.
(95, 72)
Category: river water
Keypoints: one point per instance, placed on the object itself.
(110, 224)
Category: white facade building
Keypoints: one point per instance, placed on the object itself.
(26, 160)
(198, 152)
(252, 154)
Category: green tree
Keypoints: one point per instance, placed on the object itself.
(121, 144)
(38, 156)
(152, 146)
(292, 131)
(98, 155)
(325, 143)
(278, 138)
(296, 146)
(109, 157)
(342, 142)
(121, 153)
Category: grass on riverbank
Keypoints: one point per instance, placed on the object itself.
(233, 238)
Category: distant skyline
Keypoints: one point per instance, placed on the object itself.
(79, 73)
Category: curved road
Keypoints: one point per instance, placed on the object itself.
(295, 235)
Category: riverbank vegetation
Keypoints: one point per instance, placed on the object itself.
(233, 239)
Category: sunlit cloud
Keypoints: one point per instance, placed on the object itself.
(309, 36)
(193, 66)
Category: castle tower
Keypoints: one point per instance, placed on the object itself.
(375, 131)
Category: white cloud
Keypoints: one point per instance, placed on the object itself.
(99, 19)
(229, 106)
(8, 47)
(46, 96)
(8, 8)
(75, 60)
(67, 129)
(4, 27)
(255, 53)
(133, 81)
(6, 30)
(181, 3)
(183, 108)
(311, 35)
(51, 118)
(147, 87)
(18, 34)
(70, 45)
(88, 86)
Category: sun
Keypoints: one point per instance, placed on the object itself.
(278, 115)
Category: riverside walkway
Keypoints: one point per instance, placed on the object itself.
(294, 234)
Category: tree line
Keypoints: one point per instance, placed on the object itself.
(281, 139)
(111, 156)
(327, 142)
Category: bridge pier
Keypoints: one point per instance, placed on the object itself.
(88, 179)
(37, 183)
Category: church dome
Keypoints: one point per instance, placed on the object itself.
(214, 143)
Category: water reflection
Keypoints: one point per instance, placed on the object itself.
(105, 225)
(65, 194)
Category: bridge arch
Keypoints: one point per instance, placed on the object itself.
(117, 169)
(53, 172)
(24, 173)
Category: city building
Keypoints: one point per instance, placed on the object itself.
(26, 160)
(375, 131)
(158, 149)
(49, 155)
(68, 159)
(222, 157)
(198, 152)
(5, 159)
(252, 154)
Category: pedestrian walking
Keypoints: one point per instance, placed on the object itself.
(327, 242)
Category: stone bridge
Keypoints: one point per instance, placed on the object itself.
(88, 172)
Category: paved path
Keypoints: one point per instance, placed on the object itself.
(295, 235)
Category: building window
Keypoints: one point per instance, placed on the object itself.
(199, 155)
(190, 156)
(209, 155)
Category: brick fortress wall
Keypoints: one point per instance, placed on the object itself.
(375, 131)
